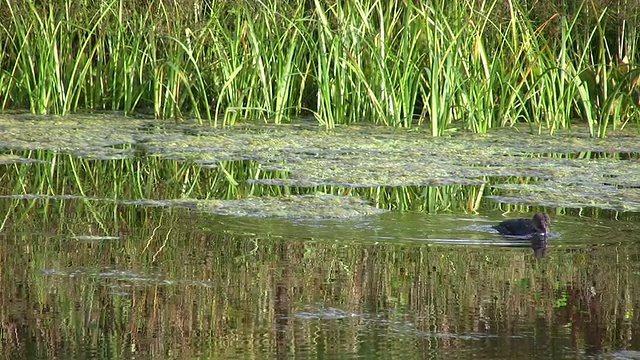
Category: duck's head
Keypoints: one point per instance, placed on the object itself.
(541, 223)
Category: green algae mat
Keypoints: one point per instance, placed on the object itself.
(568, 169)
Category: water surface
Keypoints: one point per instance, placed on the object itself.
(124, 238)
(123, 281)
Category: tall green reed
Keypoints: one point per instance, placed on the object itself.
(261, 62)
(368, 63)
(36, 43)
(580, 77)
(74, 58)
(447, 64)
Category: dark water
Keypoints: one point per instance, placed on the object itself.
(90, 279)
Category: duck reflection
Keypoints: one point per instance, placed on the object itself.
(539, 245)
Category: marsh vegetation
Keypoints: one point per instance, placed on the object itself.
(392, 170)
(456, 64)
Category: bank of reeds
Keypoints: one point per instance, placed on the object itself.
(448, 64)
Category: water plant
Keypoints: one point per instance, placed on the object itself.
(444, 64)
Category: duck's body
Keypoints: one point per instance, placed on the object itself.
(539, 224)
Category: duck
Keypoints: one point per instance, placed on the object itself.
(537, 225)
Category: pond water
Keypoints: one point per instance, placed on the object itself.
(98, 263)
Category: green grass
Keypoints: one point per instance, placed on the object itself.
(447, 65)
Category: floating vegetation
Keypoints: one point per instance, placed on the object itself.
(15, 159)
(322, 206)
(394, 169)
(125, 278)
(563, 194)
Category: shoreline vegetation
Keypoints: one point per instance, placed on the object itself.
(471, 65)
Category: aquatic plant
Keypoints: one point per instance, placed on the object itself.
(120, 158)
(447, 64)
